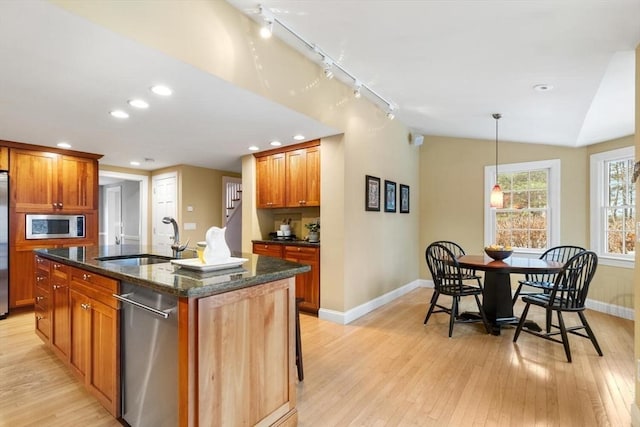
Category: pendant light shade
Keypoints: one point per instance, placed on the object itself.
(497, 197)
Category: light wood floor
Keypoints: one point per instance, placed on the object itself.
(385, 369)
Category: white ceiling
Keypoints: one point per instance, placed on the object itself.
(447, 65)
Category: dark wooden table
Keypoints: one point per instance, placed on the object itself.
(496, 298)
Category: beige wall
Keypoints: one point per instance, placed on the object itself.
(635, 414)
(452, 199)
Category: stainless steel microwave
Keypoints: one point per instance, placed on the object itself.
(54, 226)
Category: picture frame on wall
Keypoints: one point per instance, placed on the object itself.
(389, 196)
(372, 193)
(404, 198)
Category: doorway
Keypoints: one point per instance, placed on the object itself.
(164, 201)
(132, 198)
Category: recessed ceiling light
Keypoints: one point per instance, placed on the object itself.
(543, 88)
(138, 103)
(254, 148)
(161, 90)
(298, 137)
(134, 163)
(119, 114)
(276, 143)
(63, 145)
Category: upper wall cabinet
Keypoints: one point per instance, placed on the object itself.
(289, 177)
(50, 182)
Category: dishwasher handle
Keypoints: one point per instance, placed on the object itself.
(160, 313)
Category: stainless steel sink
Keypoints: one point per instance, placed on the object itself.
(135, 260)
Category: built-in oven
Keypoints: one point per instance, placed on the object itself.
(54, 226)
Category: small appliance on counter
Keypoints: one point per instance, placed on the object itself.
(277, 236)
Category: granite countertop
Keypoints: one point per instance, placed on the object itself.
(288, 242)
(171, 279)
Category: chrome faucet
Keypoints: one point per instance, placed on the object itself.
(175, 246)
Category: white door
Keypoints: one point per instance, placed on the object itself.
(114, 216)
(164, 188)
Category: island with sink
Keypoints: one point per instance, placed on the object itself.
(159, 342)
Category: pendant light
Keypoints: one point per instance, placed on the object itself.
(497, 197)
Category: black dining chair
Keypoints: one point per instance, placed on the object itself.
(568, 294)
(448, 280)
(544, 282)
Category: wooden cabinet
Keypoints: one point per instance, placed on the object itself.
(51, 182)
(4, 158)
(270, 178)
(303, 177)
(42, 291)
(21, 284)
(60, 327)
(95, 347)
(289, 177)
(307, 284)
(77, 316)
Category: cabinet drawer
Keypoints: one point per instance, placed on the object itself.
(267, 249)
(42, 264)
(43, 323)
(300, 252)
(42, 282)
(41, 300)
(60, 271)
(105, 284)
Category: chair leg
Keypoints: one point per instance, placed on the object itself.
(565, 338)
(516, 294)
(434, 300)
(299, 343)
(484, 316)
(523, 317)
(590, 332)
(454, 310)
(548, 317)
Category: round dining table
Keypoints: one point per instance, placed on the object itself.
(496, 297)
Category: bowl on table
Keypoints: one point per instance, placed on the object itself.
(498, 254)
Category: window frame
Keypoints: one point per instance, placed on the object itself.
(597, 192)
(553, 165)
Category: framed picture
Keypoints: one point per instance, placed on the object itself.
(372, 193)
(389, 196)
(404, 198)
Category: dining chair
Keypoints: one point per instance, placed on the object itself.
(456, 249)
(545, 282)
(568, 294)
(448, 280)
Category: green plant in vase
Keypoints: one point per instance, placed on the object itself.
(314, 231)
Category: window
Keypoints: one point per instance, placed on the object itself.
(530, 218)
(613, 235)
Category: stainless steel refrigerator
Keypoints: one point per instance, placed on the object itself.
(4, 245)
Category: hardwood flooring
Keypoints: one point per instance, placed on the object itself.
(385, 369)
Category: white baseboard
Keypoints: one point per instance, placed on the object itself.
(344, 318)
(635, 415)
(614, 310)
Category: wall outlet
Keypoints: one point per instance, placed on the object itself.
(189, 208)
(189, 225)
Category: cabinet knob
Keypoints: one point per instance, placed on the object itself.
(299, 249)
(39, 278)
(57, 287)
(85, 306)
(86, 276)
(39, 298)
(56, 266)
(39, 260)
(38, 317)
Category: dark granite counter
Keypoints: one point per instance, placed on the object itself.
(169, 278)
(288, 242)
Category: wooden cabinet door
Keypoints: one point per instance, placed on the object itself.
(103, 375)
(4, 158)
(296, 171)
(270, 181)
(77, 184)
(307, 284)
(80, 337)
(21, 286)
(312, 176)
(60, 319)
(33, 177)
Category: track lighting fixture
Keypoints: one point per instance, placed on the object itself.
(329, 65)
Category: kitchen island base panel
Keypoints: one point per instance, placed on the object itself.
(246, 356)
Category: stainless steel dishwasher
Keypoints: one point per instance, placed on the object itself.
(149, 356)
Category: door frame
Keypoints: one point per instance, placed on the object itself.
(143, 182)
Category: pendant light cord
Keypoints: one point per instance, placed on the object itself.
(497, 116)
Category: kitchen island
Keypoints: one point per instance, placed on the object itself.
(234, 345)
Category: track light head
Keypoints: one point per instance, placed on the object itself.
(328, 68)
(266, 31)
(390, 112)
(357, 87)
